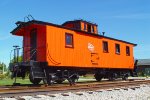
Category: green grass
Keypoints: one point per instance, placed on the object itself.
(9, 81)
(86, 77)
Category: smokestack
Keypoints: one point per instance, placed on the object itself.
(103, 33)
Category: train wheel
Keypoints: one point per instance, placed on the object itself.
(125, 77)
(98, 77)
(73, 79)
(50, 79)
(111, 78)
(35, 81)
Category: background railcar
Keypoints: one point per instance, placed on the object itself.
(57, 52)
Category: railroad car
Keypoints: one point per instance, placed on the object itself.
(54, 53)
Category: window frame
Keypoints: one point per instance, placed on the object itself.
(93, 30)
(85, 26)
(105, 50)
(72, 43)
(89, 28)
(116, 47)
(127, 51)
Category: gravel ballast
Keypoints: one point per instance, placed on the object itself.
(139, 93)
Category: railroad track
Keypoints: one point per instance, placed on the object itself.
(93, 86)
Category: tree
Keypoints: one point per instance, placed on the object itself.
(3, 67)
(20, 59)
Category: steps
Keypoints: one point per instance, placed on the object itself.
(38, 72)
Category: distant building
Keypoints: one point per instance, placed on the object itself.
(143, 67)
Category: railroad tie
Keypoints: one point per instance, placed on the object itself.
(78, 93)
(65, 94)
(99, 90)
(36, 96)
(124, 88)
(51, 95)
(109, 90)
(19, 98)
(90, 92)
(116, 88)
(133, 88)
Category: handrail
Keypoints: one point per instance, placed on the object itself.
(32, 53)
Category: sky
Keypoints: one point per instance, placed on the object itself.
(127, 20)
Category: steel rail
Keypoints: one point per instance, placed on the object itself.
(18, 91)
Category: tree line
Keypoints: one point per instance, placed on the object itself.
(3, 67)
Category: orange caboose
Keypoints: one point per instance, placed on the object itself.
(58, 52)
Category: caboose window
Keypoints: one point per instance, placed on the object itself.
(89, 28)
(84, 26)
(117, 48)
(105, 46)
(69, 40)
(127, 51)
(93, 29)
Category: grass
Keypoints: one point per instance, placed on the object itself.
(8, 81)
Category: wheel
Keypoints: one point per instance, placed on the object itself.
(50, 79)
(98, 77)
(125, 77)
(73, 79)
(35, 81)
(111, 78)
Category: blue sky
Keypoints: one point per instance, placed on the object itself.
(128, 20)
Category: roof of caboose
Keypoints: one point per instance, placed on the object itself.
(81, 20)
(22, 24)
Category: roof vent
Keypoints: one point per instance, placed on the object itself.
(103, 33)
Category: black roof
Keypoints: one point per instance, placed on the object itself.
(60, 26)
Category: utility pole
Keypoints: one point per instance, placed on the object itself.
(3, 68)
(16, 53)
